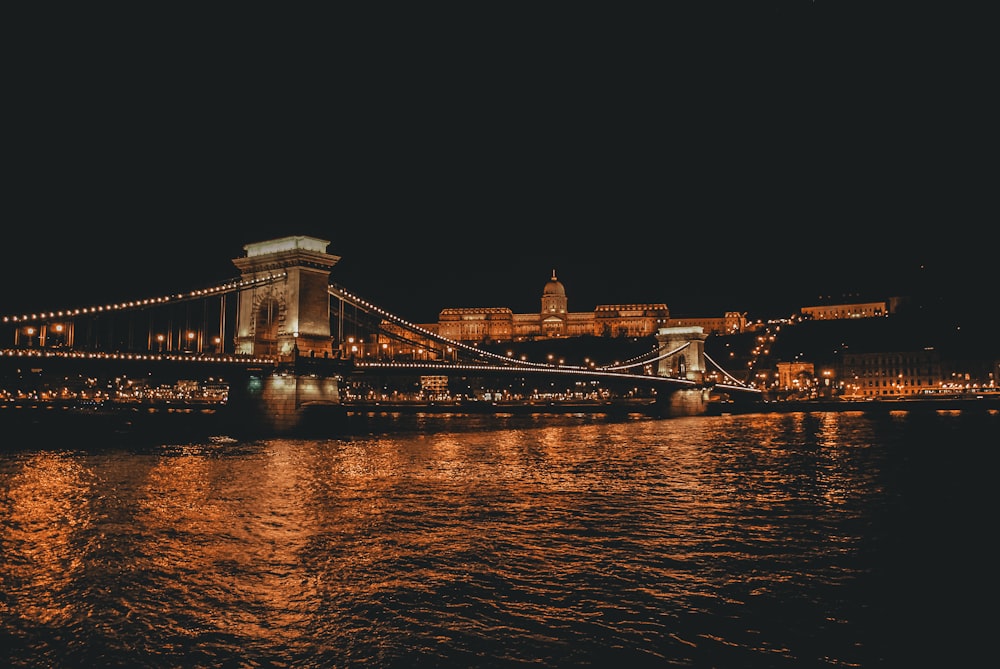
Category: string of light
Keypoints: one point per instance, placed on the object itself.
(413, 327)
(640, 361)
(725, 373)
(140, 357)
(566, 370)
(228, 287)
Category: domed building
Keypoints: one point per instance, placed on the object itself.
(553, 320)
(500, 324)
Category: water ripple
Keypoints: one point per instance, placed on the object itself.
(751, 541)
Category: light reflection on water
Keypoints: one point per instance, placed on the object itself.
(747, 541)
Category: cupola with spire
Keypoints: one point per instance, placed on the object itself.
(554, 300)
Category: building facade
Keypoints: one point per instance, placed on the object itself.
(891, 374)
(488, 325)
(842, 311)
(554, 319)
(734, 322)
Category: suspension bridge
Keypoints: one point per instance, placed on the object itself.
(284, 340)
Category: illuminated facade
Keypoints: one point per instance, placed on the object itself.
(797, 376)
(841, 311)
(554, 319)
(894, 374)
(733, 322)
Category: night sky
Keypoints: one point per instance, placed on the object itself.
(758, 163)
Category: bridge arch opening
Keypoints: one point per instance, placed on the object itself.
(267, 323)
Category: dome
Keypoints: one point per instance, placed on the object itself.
(553, 287)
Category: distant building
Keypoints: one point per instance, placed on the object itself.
(898, 374)
(434, 386)
(500, 324)
(733, 322)
(795, 376)
(844, 311)
(554, 320)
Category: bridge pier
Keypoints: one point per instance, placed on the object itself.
(684, 402)
(284, 400)
(687, 361)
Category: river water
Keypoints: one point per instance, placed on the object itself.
(757, 540)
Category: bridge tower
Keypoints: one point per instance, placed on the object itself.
(285, 312)
(687, 363)
(291, 315)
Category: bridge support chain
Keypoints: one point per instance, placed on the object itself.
(286, 399)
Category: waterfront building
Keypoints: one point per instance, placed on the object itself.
(891, 374)
(434, 386)
(796, 377)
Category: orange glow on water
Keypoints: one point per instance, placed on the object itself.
(523, 533)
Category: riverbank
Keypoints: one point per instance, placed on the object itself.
(26, 423)
(31, 423)
(987, 402)
(648, 406)
(628, 405)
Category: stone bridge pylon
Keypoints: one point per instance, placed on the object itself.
(288, 318)
(689, 362)
(289, 315)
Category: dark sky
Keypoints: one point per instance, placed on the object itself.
(754, 162)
